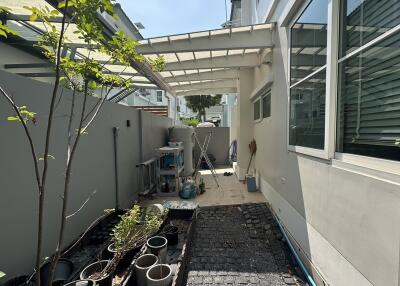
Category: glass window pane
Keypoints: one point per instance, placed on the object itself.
(257, 107)
(266, 105)
(159, 96)
(307, 112)
(309, 40)
(369, 102)
(362, 21)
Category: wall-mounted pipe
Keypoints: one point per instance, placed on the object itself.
(309, 278)
(115, 133)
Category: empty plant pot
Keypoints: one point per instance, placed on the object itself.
(81, 283)
(142, 264)
(93, 272)
(171, 233)
(159, 275)
(62, 272)
(157, 245)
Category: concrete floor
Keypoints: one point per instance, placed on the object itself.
(230, 191)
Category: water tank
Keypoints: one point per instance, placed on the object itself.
(184, 134)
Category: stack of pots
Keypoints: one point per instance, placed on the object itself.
(147, 270)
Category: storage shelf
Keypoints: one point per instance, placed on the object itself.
(170, 171)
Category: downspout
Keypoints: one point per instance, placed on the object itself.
(309, 278)
(115, 133)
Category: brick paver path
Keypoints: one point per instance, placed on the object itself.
(239, 245)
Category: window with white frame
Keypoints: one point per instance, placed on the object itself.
(266, 104)
(368, 108)
(308, 57)
(257, 109)
(159, 95)
(262, 105)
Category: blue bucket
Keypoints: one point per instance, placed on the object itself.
(251, 183)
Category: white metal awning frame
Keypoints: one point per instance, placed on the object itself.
(204, 62)
(207, 62)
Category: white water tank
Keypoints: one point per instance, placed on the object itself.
(184, 134)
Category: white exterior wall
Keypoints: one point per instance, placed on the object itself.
(11, 55)
(345, 218)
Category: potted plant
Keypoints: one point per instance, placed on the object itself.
(131, 233)
(100, 272)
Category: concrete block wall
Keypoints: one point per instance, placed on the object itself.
(219, 144)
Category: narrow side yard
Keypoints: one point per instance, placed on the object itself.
(240, 245)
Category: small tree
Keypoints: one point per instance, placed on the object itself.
(199, 103)
(84, 77)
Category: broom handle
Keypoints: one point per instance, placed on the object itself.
(248, 167)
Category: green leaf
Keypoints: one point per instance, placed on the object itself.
(2, 274)
(33, 17)
(13, 118)
(62, 4)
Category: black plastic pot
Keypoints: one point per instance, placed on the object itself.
(98, 266)
(62, 272)
(171, 233)
(18, 281)
(81, 283)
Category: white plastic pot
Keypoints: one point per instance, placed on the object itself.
(142, 264)
(157, 245)
(159, 275)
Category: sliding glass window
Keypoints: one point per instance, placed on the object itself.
(369, 79)
(308, 46)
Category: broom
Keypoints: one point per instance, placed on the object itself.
(253, 150)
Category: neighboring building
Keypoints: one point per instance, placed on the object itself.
(324, 111)
(222, 111)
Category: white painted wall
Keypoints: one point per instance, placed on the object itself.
(93, 169)
(345, 220)
(11, 55)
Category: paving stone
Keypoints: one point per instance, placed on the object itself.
(239, 246)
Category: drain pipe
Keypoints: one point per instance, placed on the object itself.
(309, 278)
(115, 132)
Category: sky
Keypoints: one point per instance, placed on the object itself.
(167, 17)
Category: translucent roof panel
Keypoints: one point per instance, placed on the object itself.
(219, 53)
(186, 56)
(202, 55)
(177, 73)
(17, 6)
(22, 31)
(119, 69)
